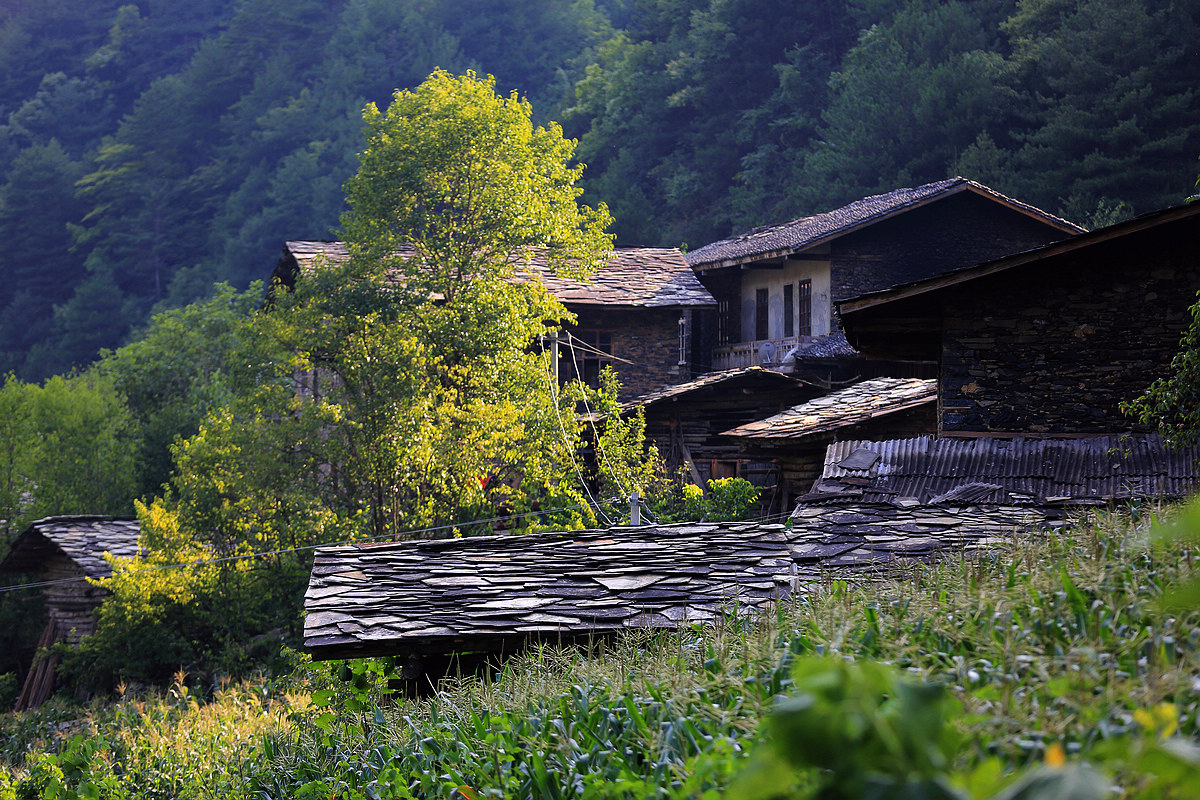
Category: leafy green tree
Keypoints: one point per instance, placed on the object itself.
(178, 372)
(424, 334)
(66, 447)
(1106, 100)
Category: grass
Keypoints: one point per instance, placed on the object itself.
(1057, 643)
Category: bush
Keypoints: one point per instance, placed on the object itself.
(727, 500)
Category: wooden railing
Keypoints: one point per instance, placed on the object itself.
(749, 354)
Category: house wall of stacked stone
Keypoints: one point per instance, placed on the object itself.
(647, 337)
(1054, 346)
(958, 231)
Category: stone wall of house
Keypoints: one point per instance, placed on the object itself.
(1054, 346)
(958, 231)
(647, 337)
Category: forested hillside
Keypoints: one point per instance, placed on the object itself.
(150, 149)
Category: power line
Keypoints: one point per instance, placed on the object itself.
(552, 380)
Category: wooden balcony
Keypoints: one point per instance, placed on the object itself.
(751, 354)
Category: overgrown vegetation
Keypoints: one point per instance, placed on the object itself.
(1052, 651)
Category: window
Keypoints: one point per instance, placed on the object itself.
(789, 310)
(684, 340)
(728, 327)
(762, 317)
(582, 354)
(805, 307)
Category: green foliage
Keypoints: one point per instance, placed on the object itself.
(730, 499)
(1172, 403)
(421, 340)
(178, 372)
(849, 731)
(624, 462)
(1050, 652)
(66, 447)
(727, 500)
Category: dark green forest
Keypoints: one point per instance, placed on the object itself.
(149, 150)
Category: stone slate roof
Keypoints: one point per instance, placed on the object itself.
(710, 380)
(853, 405)
(772, 241)
(82, 539)
(489, 593)
(643, 277)
(996, 471)
(819, 348)
(955, 277)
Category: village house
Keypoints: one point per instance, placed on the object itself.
(794, 441)
(1036, 353)
(636, 314)
(775, 285)
(63, 552)
(1048, 342)
(685, 422)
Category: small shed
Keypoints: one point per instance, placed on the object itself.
(796, 439)
(977, 491)
(62, 552)
(685, 421)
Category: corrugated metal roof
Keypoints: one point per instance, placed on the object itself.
(1017, 470)
(799, 234)
(83, 539)
(646, 277)
(854, 405)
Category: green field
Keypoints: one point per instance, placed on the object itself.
(1054, 651)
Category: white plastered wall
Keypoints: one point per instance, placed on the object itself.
(773, 280)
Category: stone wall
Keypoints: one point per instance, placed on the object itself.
(647, 337)
(1054, 346)
(959, 231)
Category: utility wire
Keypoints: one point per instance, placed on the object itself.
(553, 382)
(591, 418)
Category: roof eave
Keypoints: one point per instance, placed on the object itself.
(955, 277)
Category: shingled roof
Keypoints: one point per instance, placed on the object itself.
(645, 277)
(486, 593)
(787, 238)
(82, 539)
(854, 405)
(996, 471)
(712, 380)
(1036, 258)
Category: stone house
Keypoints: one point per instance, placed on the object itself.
(1047, 342)
(775, 285)
(795, 440)
(63, 552)
(636, 314)
(685, 422)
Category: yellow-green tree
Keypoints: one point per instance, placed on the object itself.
(424, 338)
